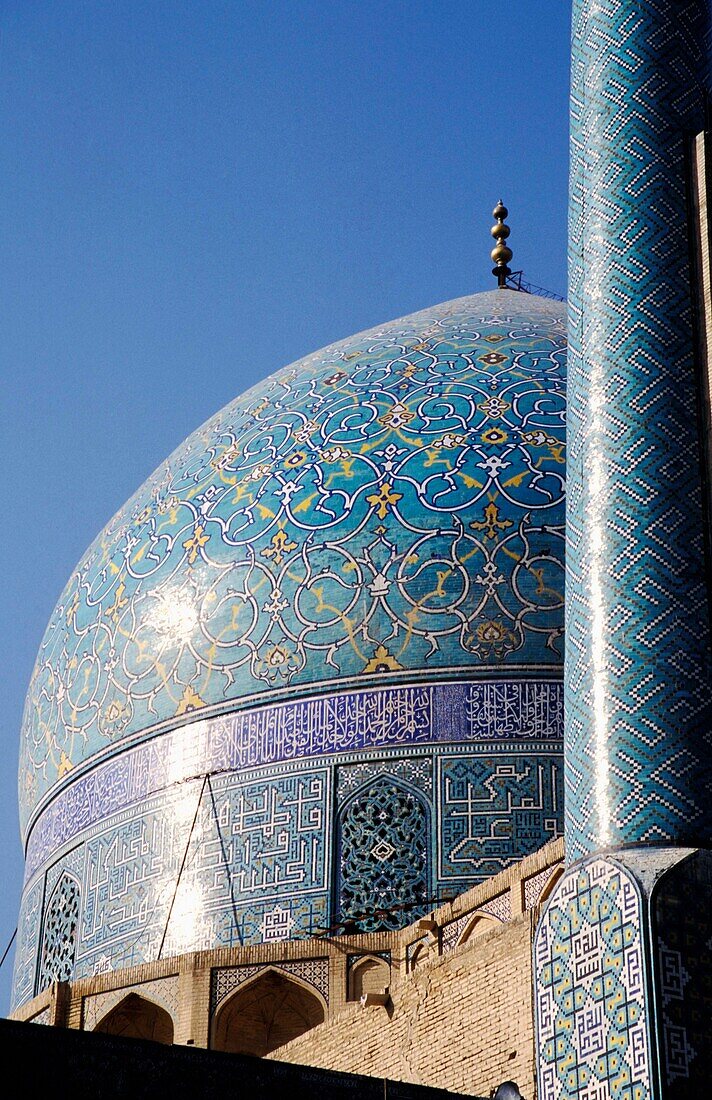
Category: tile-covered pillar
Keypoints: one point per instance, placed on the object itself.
(623, 979)
(638, 668)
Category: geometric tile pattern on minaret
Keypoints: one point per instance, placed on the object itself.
(638, 679)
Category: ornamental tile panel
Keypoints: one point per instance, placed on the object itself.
(496, 807)
(591, 988)
(162, 991)
(225, 981)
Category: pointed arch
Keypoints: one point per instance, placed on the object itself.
(60, 932)
(421, 954)
(383, 849)
(550, 884)
(264, 1013)
(369, 974)
(478, 926)
(137, 1017)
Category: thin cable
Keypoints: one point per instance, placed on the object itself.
(12, 940)
(185, 856)
(225, 861)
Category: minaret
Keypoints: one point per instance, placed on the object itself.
(622, 955)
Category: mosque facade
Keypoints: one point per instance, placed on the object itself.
(305, 728)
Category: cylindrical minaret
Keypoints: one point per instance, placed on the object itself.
(638, 671)
(622, 963)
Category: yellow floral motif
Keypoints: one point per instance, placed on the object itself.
(306, 431)
(73, 607)
(384, 499)
(539, 439)
(294, 460)
(491, 632)
(227, 457)
(491, 524)
(119, 603)
(194, 543)
(382, 662)
(396, 417)
(114, 718)
(494, 406)
(281, 545)
(494, 435)
(277, 656)
(493, 358)
(450, 439)
(190, 700)
(65, 764)
(258, 473)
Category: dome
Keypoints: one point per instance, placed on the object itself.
(362, 553)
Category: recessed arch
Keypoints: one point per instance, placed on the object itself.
(269, 1010)
(59, 933)
(421, 954)
(478, 926)
(136, 1017)
(369, 974)
(383, 840)
(550, 884)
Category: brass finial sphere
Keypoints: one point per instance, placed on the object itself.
(501, 253)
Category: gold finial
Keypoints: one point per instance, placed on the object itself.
(501, 253)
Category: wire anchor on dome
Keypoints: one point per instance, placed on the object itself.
(501, 253)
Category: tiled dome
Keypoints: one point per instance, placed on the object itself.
(382, 516)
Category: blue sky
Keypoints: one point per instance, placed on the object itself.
(193, 194)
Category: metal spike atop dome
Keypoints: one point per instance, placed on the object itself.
(501, 253)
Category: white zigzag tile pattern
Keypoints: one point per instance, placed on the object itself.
(638, 682)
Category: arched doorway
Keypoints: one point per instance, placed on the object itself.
(265, 1014)
(137, 1018)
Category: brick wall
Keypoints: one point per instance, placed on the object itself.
(460, 984)
(463, 1021)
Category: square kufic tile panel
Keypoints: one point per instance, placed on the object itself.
(495, 806)
(591, 987)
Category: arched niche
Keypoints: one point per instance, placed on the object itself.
(265, 1013)
(59, 936)
(550, 884)
(421, 954)
(383, 855)
(368, 975)
(478, 926)
(138, 1018)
